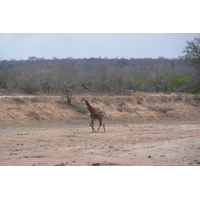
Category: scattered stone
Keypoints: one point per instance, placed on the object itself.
(95, 164)
(62, 164)
(13, 154)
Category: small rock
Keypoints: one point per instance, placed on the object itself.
(149, 156)
(95, 164)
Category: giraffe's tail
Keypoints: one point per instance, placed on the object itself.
(104, 113)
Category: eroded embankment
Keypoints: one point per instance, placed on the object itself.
(25, 110)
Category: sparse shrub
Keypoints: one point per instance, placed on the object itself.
(139, 99)
(191, 100)
(120, 109)
(196, 97)
(35, 100)
(38, 100)
(164, 109)
(80, 108)
(160, 109)
(68, 93)
(33, 115)
(18, 100)
(163, 99)
(177, 97)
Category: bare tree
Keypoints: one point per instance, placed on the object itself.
(156, 77)
(68, 92)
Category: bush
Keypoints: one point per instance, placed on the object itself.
(80, 108)
(18, 100)
(180, 83)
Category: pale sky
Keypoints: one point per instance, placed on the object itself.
(85, 45)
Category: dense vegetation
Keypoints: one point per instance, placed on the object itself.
(97, 75)
(104, 75)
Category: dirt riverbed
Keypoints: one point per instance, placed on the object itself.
(144, 144)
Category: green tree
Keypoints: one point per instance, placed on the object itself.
(166, 81)
(135, 83)
(192, 54)
(180, 83)
(192, 51)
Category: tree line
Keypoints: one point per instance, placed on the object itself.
(103, 75)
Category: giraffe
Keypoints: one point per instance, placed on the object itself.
(95, 114)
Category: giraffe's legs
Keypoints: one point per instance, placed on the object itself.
(100, 124)
(92, 125)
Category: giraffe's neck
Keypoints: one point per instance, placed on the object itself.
(90, 108)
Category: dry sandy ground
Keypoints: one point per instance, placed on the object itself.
(124, 144)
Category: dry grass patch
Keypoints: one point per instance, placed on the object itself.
(33, 115)
(161, 109)
(18, 100)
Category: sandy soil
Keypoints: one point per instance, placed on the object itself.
(125, 144)
(141, 129)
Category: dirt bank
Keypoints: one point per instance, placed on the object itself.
(27, 110)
